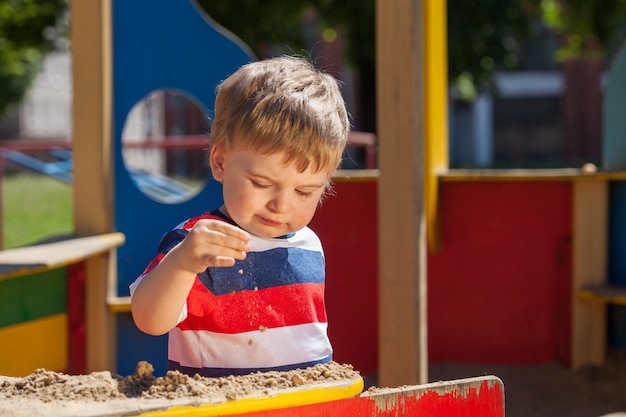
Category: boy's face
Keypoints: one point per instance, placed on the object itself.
(263, 195)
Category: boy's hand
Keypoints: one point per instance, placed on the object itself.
(211, 243)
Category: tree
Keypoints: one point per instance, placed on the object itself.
(483, 36)
(591, 31)
(589, 28)
(298, 27)
(27, 33)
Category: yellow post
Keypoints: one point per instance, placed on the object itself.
(93, 165)
(435, 112)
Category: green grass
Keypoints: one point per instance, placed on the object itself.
(34, 208)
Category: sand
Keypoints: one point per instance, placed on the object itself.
(540, 390)
(47, 393)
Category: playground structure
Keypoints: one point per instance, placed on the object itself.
(518, 261)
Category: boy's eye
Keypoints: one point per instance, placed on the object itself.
(304, 193)
(259, 185)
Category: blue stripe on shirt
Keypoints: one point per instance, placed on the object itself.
(279, 266)
(221, 372)
(276, 267)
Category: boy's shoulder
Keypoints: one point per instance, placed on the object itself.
(209, 215)
(304, 238)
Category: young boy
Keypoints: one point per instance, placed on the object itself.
(241, 288)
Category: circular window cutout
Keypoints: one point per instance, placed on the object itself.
(164, 146)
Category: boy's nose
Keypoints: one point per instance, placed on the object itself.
(279, 203)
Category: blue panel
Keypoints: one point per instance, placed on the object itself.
(614, 159)
(614, 127)
(616, 315)
(160, 44)
(617, 233)
(134, 346)
(617, 261)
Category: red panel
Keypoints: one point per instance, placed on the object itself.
(76, 318)
(499, 289)
(486, 400)
(499, 292)
(347, 226)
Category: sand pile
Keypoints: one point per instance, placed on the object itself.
(47, 393)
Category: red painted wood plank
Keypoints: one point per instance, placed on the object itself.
(470, 397)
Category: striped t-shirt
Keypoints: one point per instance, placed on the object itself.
(264, 313)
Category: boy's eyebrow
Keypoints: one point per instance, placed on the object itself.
(311, 185)
(258, 175)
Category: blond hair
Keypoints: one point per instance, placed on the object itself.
(283, 105)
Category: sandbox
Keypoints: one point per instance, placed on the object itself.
(47, 393)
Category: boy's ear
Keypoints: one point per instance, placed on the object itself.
(216, 162)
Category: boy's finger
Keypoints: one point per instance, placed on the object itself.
(227, 229)
(226, 245)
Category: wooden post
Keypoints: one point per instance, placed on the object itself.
(590, 230)
(93, 166)
(402, 357)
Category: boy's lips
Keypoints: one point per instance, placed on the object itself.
(269, 222)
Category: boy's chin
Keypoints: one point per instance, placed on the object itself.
(267, 232)
(266, 235)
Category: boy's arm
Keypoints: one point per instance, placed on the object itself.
(159, 298)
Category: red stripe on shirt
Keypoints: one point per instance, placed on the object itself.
(253, 310)
(157, 260)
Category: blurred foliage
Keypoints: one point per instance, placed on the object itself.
(297, 27)
(590, 28)
(28, 29)
(260, 24)
(483, 35)
(295, 24)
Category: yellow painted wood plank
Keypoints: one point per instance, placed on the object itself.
(289, 399)
(556, 174)
(355, 175)
(38, 258)
(119, 304)
(40, 343)
(603, 294)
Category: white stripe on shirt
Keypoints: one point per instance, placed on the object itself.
(257, 349)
